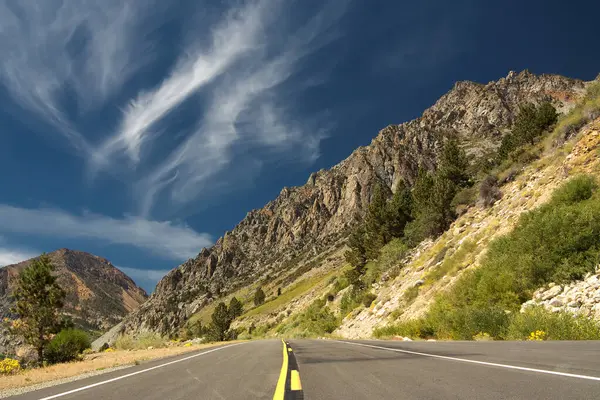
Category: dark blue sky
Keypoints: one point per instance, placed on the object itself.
(141, 133)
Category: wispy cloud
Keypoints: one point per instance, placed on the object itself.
(235, 70)
(162, 238)
(237, 35)
(82, 50)
(246, 108)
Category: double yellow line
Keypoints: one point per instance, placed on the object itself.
(282, 392)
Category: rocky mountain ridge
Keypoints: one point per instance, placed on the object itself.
(98, 295)
(307, 220)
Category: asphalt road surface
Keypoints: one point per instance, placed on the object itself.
(328, 369)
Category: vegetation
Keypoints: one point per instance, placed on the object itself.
(587, 110)
(67, 345)
(9, 366)
(236, 308)
(537, 323)
(529, 125)
(38, 300)
(259, 297)
(316, 320)
(221, 321)
(488, 299)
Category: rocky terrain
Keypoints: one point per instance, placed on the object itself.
(462, 246)
(580, 297)
(303, 222)
(98, 294)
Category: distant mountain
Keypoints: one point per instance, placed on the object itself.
(306, 221)
(98, 294)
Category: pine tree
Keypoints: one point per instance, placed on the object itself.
(259, 297)
(38, 300)
(376, 228)
(453, 164)
(357, 255)
(221, 321)
(235, 308)
(399, 211)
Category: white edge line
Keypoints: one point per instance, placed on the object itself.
(541, 371)
(135, 373)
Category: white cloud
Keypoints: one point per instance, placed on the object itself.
(162, 238)
(89, 50)
(13, 256)
(242, 112)
(238, 34)
(83, 49)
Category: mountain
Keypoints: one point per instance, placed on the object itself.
(98, 295)
(276, 242)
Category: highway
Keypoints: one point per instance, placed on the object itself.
(329, 369)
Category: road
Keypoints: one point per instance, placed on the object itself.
(328, 369)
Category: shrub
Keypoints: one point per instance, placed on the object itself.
(488, 191)
(259, 297)
(537, 323)
(410, 294)
(532, 255)
(482, 337)
(9, 366)
(368, 298)
(416, 328)
(578, 188)
(67, 345)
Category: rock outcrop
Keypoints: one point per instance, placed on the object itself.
(308, 219)
(579, 297)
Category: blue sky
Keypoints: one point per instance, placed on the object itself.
(141, 131)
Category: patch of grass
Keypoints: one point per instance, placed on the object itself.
(316, 320)
(295, 291)
(390, 256)
(453, 263)
(410, 294)
(556, 326)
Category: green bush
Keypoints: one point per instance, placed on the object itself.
(557, 242)
(417, 328)
(556, 326)
(67, 345)
(578, 188)
(316, 320)
(368, 299)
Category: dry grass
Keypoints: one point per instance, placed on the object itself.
(92, 362)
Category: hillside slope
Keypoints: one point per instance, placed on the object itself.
(278, 240)
(98, 295)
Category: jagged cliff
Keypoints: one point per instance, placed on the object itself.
(307, 220)
(98, 295)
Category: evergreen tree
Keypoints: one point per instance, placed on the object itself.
(221, 321)
(259, 297)
(376, 228)
(235, 308)
(38, 300)
(357, 255)
(453, 164)
(399, 211)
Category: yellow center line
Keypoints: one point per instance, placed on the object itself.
(280, 389)
(295, 380)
